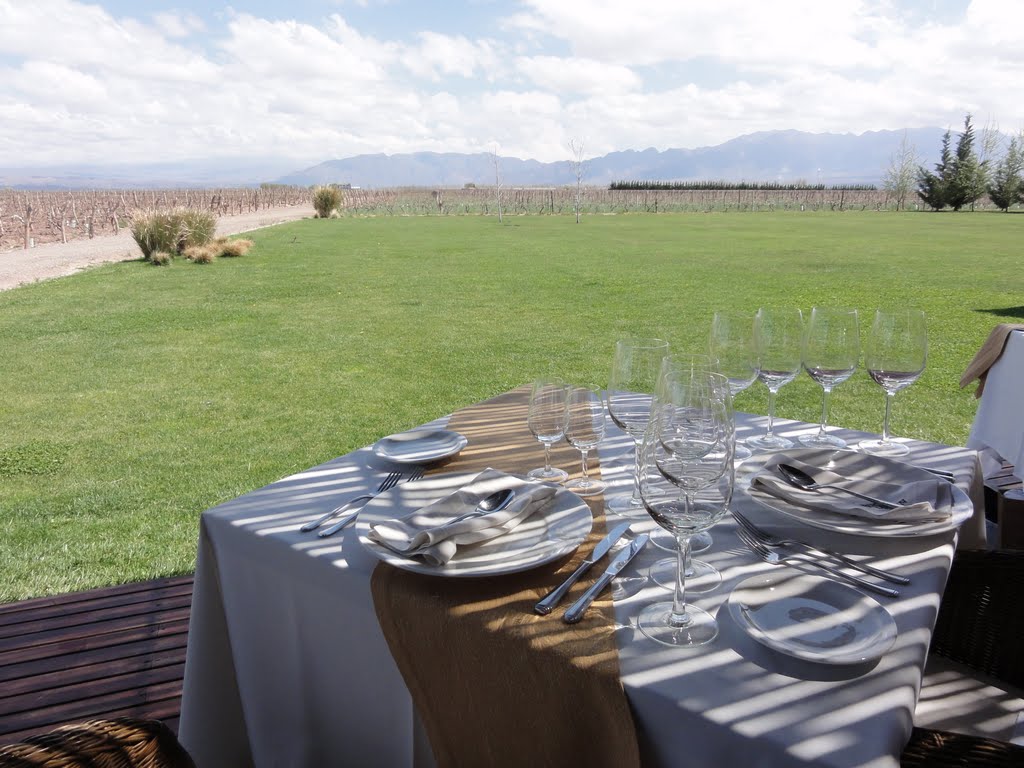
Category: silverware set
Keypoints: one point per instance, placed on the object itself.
(782, 551)
(390, 481)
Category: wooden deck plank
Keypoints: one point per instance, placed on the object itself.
(18, 622)
(70, 598)
(101, 653)
(94, 657)
(92, 622)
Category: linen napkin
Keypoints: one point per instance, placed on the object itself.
(924, 500)
(430, 534)
(986, 357)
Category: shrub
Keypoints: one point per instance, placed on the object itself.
(201, 254)
(161, 258)
(195, 228)
(325, 200)
(234, 248)
(173, 231)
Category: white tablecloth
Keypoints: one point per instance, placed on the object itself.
(287, 665)
(999, 422)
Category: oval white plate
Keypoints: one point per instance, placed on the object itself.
(812, 618)
(420, 446)
(552, 532)
(853, 463)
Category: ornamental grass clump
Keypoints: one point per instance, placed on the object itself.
(326, 200)
(230, 249)
(201, 254)
(172, 231)
(161, 258)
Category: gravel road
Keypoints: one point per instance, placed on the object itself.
(57, 259)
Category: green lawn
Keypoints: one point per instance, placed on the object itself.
(136, 396)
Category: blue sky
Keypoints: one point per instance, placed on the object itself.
(111, 81)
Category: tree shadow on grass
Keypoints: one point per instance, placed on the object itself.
(1017, 312)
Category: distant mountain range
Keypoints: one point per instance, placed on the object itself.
(784, 156)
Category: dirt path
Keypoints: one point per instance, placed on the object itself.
(57, 259)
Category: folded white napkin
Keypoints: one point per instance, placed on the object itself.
(921, 500)
(429, 534)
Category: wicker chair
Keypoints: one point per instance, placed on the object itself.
(116, 743)
(980, 624)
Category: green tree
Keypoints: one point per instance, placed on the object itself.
(1007, 188)
(968, 176)
(931, 187)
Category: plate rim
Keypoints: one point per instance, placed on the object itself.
(882, 646)
(416, 566)
(860, 527)
(461, 441)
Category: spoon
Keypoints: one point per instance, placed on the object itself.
(800, 479)
(496, 501)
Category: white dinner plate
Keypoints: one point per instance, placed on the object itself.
(812, 618)
(420, 446)
(550, 533)
(850, 463)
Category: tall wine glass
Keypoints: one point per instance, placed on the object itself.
(664, 571)
(732, 344)
(778, 335)
(830, 353)
(687, 448)
(634, 377)
(546, 419)
(584, 429)
(694, 368)
(895, 356)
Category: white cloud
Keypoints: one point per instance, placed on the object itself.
(171, 85)
(178, 25)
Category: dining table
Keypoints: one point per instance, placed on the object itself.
(312, 651)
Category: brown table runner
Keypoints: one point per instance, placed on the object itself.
(986, 357)
(494, 683)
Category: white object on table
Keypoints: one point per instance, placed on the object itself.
(999, 421)
(287, 664)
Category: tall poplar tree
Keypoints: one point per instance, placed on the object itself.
(1007, 188)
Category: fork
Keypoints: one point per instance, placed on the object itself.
(385, 484)
(776, 542)
(416, 474)
(772, 557)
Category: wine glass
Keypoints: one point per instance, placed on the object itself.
(634, 377)
(895, 356)
(546, 419)
(777, 344)
(663, 572)
(687, 448)
(584, 429)
(732, 344)
(830, 352)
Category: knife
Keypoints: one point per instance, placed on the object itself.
(545, 606)
(575, 611)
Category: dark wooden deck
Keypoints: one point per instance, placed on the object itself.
(100, 653)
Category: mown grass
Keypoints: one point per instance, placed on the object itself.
(137, 397)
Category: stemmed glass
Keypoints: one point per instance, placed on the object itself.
(732, 344)
(546, 418)
(777, 344)
(895, 356)
(687, 448)
(584, 429)
(830, 353)
(634, 377)
(663, 572)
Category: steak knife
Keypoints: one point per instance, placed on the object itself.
(575, 611)
(545, 606)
